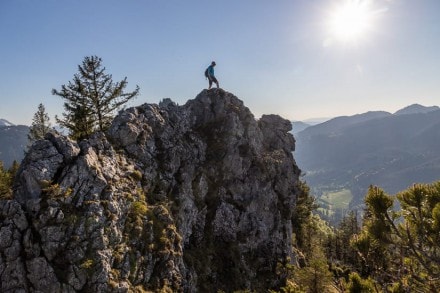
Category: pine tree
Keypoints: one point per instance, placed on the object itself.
(6, 179)
(14, 169)
(40, 124)
(336, 246)
(402, 248)
(3, 181)
(302, 211)
(375, 242)
(315, 277)
(359, 285)
(91, 99)
(418, 233)
(78, 118)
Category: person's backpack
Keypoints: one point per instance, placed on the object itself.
(206, 73)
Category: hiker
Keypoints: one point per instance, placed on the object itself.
(209, 73)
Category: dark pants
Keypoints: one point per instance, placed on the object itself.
(211, 80)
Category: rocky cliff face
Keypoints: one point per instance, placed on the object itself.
(192, 198)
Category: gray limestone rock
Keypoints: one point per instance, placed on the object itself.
(191, 198)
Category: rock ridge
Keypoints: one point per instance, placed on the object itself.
(191, 198)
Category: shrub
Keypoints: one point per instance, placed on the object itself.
(136, 175)
(87, 264)
(139, 209)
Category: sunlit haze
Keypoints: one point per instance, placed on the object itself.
(352, 20)
(299, 59)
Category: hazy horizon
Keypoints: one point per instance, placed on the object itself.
(311, 120)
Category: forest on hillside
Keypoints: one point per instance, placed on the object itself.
(342, 157)
(394, 248)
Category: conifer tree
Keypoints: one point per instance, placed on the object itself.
(91, 99)
(40, 124)
(3, 181)
(14, 169)
(337, 247)
(6, 179)
(302, 211)
(359, 285)
(402, 248)
(315, 277)
(418, 233)
(375, 242)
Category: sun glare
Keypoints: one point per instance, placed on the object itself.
(351, 20)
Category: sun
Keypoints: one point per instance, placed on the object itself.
(351, 20)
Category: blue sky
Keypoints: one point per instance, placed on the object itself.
(277, 56)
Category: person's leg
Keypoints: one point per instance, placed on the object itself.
(210, 83)
(216, 81)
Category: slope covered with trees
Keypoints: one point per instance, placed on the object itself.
(348, 154)
(395, 249)
(13, 143)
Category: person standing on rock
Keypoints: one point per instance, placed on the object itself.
(209, 73)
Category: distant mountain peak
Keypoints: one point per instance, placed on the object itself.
(5, 123)
(416, 109)
(298, 126)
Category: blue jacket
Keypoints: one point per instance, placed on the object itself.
(211, 70)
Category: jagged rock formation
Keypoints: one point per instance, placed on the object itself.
(192, 198)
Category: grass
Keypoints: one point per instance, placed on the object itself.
(87, 264)
(335, 200)
(338, 199)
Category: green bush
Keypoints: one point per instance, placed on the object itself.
(136, 175)
(139, 209)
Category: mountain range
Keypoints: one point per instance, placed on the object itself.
(13, 142)
(298, 126)
(4, 122)
(392, 151)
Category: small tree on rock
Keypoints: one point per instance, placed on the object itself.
(40, 124)
(91, 99)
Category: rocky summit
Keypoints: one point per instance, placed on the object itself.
(192, 198)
